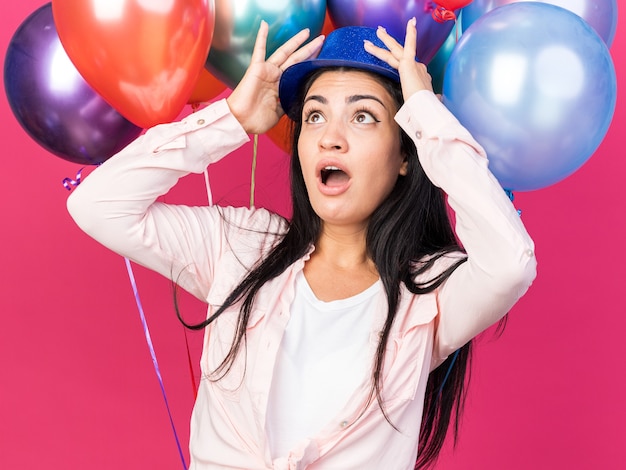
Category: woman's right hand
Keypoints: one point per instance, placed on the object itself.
(254, 102)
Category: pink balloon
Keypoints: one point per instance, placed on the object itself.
(393, 15)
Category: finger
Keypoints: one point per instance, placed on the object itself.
(259, 51)
(306, 52)
(281, 54)
(382, 54)
(390, 42)
(410, 40)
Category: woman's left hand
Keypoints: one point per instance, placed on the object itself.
(414, 76)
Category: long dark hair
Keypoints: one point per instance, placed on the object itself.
(406, 235)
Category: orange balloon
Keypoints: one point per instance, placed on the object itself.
(207, 87)
(143, 57)
(280, 134)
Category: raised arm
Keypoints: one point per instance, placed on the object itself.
(501, 262)
(116, 203)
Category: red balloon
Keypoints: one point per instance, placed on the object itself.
(143, 57)
(453, 4)
(445, 9)
(328, 25)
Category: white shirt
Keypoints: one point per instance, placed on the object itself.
(323, 358)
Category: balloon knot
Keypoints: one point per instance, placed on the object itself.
(70, 183)
(442, 14)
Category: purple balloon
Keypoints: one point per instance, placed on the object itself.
(393, 15)
(600, 14)
(536, 86)
(53, 103)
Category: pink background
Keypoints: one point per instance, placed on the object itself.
(77, 386)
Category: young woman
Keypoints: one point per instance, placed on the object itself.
(329, 337)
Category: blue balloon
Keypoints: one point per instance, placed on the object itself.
(600, 14)
(536, 87)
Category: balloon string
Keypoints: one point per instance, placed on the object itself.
(146, 332)
(194, 387)
(442, 14)
(209, 193)
(445, 378)
(253, 175)
(70, 183)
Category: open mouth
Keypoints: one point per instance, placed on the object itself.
(333, 176)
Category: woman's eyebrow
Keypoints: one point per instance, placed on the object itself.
(354, 98)
(349, 100)
(317, 98)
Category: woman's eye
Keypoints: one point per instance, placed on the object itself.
(314, 118)
(364, 118)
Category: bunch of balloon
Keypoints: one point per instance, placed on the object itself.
(431, 18)
(53, 103)
(535, 84)
(236, 25)
(143, 57)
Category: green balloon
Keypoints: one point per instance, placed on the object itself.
(237, 23)
(437, 66)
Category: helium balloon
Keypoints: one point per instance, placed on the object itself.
(143, 57)
(445, 9)
(437, 66)
(600, 14)
(237, 23)
(453, 4)
(53, 103)
(328, 26)
(536, 87)
(393, 15)
(207, 87)
(280, 134)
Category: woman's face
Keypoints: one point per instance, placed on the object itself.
(349, 147)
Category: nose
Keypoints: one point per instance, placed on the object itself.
(333, 137)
